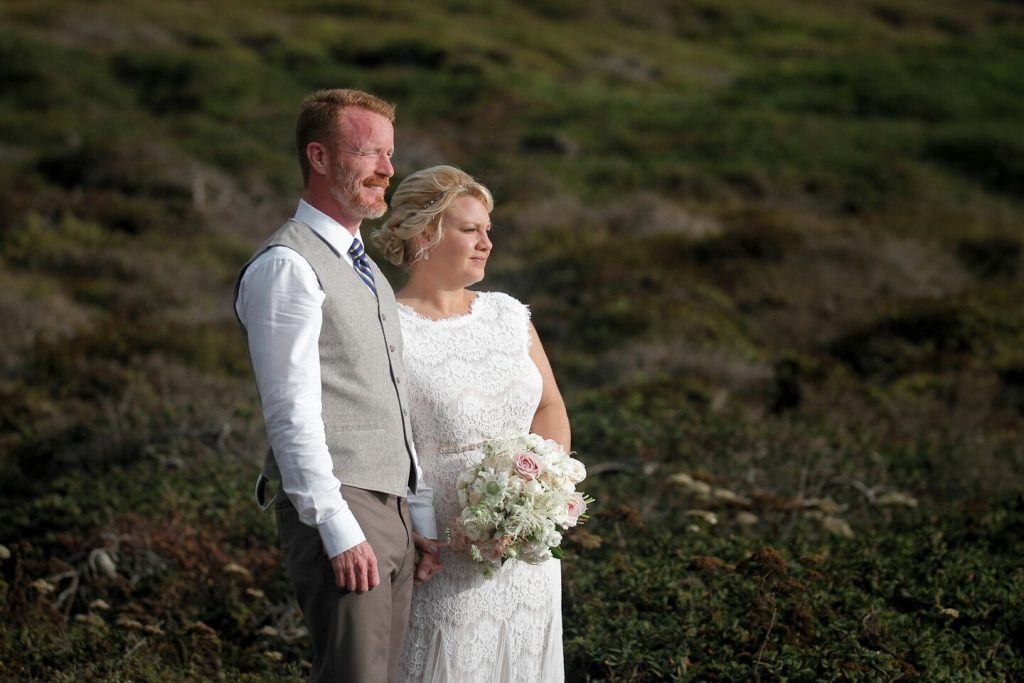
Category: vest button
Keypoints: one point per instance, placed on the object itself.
(398, 380)
(383, 316)
(391, 348)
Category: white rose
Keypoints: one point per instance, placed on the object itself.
(576, 470)
(564, 484)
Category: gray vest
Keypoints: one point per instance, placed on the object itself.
(362, 379)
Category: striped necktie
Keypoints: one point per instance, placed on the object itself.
(362, 264)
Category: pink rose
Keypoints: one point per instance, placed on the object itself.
(576, 507)
(528, 466)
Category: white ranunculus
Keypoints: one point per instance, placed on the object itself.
(533, 488)
(465, 479)
(552, 538)
(474, 530)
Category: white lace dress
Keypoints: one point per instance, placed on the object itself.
(470, 379)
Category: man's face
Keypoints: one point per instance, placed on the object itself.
(361, 162)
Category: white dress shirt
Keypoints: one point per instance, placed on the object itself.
(279, 303)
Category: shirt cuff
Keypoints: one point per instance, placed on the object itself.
(421, 512)
(340, 532)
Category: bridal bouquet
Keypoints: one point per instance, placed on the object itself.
(516, 499)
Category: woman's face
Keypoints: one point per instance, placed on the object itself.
(461, 257)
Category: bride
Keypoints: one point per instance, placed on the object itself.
(476, 371)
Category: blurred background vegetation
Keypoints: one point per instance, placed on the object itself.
(773, 249)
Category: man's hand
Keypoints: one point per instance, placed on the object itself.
(428, 561)
(356, 569)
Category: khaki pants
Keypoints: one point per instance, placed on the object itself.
(355, 637)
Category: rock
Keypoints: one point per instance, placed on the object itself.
(273, 656)
(837, 526)
(128, 622)
(896, 499)
(42, 586)
(826, 505)
(949, 612)
(101, 563)
(706, 515)
(650, 468)
(203, 630)
(729, 497)
(5, 554)
(237, 570)
(91, 619)
(255, 593)
(99, 604)
(698, 488)
(746, 518)
(268, 631)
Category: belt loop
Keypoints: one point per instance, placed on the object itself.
(261, 493)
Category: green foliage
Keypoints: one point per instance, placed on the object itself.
(927, 337)
(955, 81)
(927, 598)
(994, 158)
(995, 257)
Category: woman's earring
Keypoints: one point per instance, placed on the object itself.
(422, 255)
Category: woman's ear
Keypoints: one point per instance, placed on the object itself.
(429, 234)
(420, 241)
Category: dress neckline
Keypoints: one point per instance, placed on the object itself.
(415, 315)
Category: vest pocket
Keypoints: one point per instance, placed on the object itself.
(350, 428)
(355, 442)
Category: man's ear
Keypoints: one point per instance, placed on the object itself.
(316, 154)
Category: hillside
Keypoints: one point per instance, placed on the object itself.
(773, 249)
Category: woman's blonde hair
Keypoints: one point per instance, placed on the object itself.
(421, 201)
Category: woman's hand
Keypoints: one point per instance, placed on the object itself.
(428, 558)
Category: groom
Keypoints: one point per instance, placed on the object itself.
(322, 329)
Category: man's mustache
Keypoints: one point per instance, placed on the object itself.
(377, 182)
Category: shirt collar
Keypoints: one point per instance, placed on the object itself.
(334, 233)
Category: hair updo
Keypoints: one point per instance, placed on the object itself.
(421, 201)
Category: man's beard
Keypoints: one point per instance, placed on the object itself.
(346, 191)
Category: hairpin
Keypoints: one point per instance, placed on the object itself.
(432, 202)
